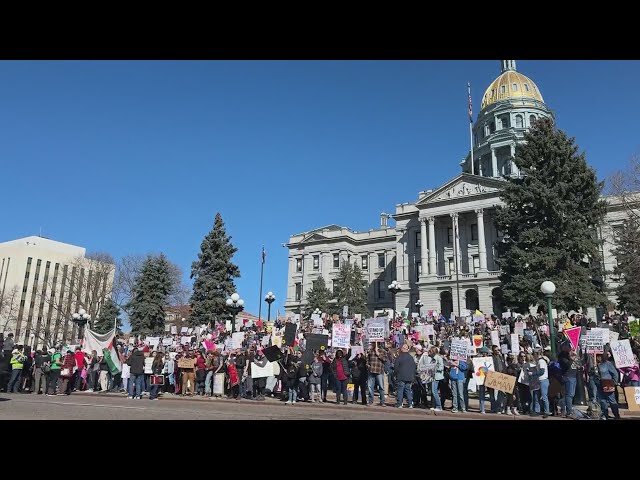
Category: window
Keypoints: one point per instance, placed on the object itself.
(518, 121)
(298, 292)
(514, 87)
(316, 262)
(526, 87)
(298, 264)
(474, 231)
(334, 285)
(365, 262)
(418, 240)
(492, 127)
(503, 89)
(336, 260)
(381, 263)
(418, 270)
(476, 263)
(532, 119)
(380, 291)
(452, 266)
(449, 235)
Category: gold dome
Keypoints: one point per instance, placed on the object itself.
(511, 85)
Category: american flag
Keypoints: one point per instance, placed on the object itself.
(470, 103)
(264, 255)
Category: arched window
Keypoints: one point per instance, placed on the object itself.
(503, 89)
(492, 127)
(518, 121)
(526, 87)
(515, 87)
(532, 119)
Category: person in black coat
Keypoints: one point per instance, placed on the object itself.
(359, 376)
(405, 371)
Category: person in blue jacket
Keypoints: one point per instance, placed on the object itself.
(457, 373)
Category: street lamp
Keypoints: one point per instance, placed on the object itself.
(81, 317)
(269, 298)
(235, 305)
(548, 288)
(419, 305)
(394, 288)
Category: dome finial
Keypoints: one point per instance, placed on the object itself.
(508, 65)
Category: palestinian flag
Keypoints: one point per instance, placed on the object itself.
(104, 343)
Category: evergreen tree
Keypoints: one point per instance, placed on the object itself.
(351, 289)
(627, 254)
(213, 276)
(549, 221)
(108, 315)
(318, 297)
(149, 297)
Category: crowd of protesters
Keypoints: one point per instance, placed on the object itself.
(417, 370)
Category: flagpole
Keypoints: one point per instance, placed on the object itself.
(261, 274)
(455, 256)
(471, 127)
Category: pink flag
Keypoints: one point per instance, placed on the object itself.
(573, 334)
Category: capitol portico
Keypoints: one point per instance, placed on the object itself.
(441, 248)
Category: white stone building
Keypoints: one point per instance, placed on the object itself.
(42, 283)
(419, 251)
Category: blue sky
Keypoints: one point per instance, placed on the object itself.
(136, 156)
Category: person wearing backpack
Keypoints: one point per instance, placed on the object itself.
(54, 374)
(42, 362)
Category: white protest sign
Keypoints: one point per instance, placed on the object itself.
(595, 340)
(459, 349)
(184, 330)
(185, 340)
(167, 328)
(505, 330)
(613, 336)
(515, 344)
(505, 348)
(261, 372)
(481, 365)
(478, 319)
(238, 338)
(375, 328)
(429, 329)
(265, 341)
(341, 337)
(228, 344)
(167, 342)
(622, 354)
(174, 330)
(356, 349)
(153, 341)
(519, 329)
(495, 337)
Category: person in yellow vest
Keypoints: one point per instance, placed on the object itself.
(17, 364)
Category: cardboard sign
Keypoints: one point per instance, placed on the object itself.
(622, 354)
(459, 349)
(500, 381)
(515, 344)
(186, 363)
(289, 334)
(633, 398)
(505, 330)
(495, 337)
(341, 337)
(482, 365)
(375, 328)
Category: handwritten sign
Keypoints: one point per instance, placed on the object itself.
(633, 398)
(482, 365)
(375, 329)
(186, 363)
(515, 344)
(495, 337)
(622, 354)
(341, 336)
(459, 349)
(500, 381)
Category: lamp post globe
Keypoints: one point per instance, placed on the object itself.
(394, 288)
(269, 298)
(80, 318)
(548, 288)
(235, 305)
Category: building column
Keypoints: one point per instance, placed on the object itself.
(514, 168)
(423, 247)
(432, 246)
(480, 165)
(494, 163)
(482, 246)
(400, 277)
(456, 239)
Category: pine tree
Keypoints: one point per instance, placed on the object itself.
(549, 221)
(351, 289)
(108, 315)
(627, 254)
(149, 297)
(213, 276)
(318, 297)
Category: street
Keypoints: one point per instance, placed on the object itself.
(94, 406)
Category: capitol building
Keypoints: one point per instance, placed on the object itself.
(421, 252)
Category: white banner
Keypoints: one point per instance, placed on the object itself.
(261, 372)
(238, 338)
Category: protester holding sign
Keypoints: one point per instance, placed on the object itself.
(375, 366)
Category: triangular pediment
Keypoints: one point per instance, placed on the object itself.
(313, 237)
(464, 185)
